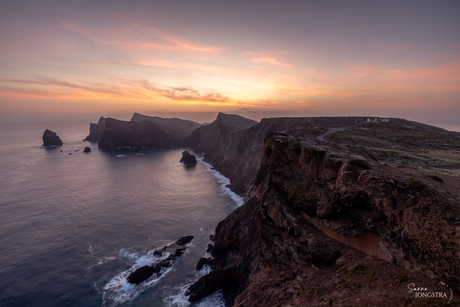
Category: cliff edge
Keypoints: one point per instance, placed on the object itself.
(321, 226)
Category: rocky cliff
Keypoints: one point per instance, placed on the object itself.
(119, 134)
(323, 227)
(176, 127)
(95, 130)
(234, 145)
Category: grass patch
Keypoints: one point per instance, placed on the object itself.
(359, 269)
(372, 276)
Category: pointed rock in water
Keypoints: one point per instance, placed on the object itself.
(50, 138)
(188, 159)
(184, 240)
(87, 149)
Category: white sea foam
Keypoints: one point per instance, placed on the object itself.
(119, 156)
(118, 290)
(181, 300)
(224, 183)
(100, 260)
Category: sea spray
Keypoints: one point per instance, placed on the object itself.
(224, 183)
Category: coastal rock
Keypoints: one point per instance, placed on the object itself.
(157, 267)
(309, 206)
(184, 240)
(123, 134)
(95, 130)
(50, 138)
(87, 149)
(141, 274)
(188, 159)
(176, 127)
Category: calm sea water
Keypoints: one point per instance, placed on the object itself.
(73, 224)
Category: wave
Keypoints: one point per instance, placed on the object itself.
(224, 183)
(179, 299)
(118, 290)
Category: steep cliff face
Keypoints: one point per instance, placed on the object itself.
(234, 144)
(176, 127)
(313, 215)
(95, 130)
(118, 134)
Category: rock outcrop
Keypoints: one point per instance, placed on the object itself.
(234, 144)
(160, 264)
(95, 130)
(176, 127)
(124, 134)
(188, 159)
(87, 149)
(50, 138)
(316, 220)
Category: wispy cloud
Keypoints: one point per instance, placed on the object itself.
(269, 57)
(270, 60)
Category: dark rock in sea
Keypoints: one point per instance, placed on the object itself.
(188, 159)
(158, 253)
(202, 262)
(87, 149)
(210, 247)
(141, 274)
(184, 240)
(95, 130)
(50, 138)
(145, 272)
(178, 252)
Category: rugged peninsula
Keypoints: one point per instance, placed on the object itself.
(338, 211)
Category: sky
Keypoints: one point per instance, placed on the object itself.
(194, 58)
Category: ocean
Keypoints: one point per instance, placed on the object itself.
(73, 225)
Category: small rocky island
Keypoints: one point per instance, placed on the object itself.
(188, 159)
(161, 264)
(50, 138)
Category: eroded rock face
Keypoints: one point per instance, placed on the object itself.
(311, 211)
(50, 138)
(95, 130)
(188, 159)
(124, 134)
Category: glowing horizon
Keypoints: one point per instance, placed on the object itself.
(305, 58)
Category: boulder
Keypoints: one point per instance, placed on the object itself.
(141, 274)
(188, 159)
(50, 138)
(87, 149)
(184, 240)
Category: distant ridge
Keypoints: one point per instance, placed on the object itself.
(176, 127)
(235, 122)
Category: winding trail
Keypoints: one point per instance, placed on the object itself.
(332, 130)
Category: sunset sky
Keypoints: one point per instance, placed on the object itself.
(191, 59)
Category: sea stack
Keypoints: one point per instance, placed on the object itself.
(87, 149)
(50, 138)
(188, 159)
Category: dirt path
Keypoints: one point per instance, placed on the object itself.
(332, 130)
